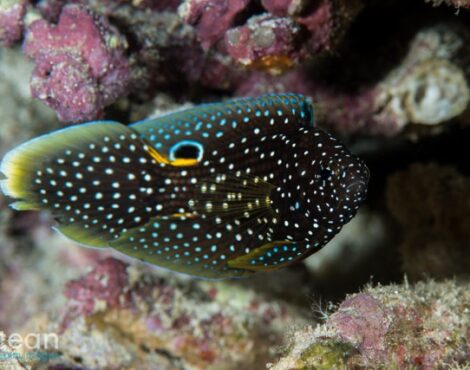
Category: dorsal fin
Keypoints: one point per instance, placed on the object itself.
(208, 122)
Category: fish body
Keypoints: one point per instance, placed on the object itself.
(219, 190)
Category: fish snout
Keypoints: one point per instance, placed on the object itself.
(358, 176)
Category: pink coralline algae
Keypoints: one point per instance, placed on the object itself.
(284, 7)
(11, 21)
(80, 64)
(363, 321)
(266, 42)
(211, 18)
(282, 38)
(104, 284)
(328, 23)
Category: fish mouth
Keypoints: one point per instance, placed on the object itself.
(359, 179)
(358, 190)
(357, 187)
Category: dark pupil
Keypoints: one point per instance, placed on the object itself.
(187, 151)
(325, 174)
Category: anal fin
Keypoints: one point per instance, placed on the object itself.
(268, 257)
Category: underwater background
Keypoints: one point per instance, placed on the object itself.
(390, 79)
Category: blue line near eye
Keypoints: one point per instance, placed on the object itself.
(174, 148)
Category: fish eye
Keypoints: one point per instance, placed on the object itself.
(186, 149)
(325, 174)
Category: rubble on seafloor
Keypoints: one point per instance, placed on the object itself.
(424, 326)
(120, 316)
(379, 74)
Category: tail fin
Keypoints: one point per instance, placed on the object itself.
(94, 178)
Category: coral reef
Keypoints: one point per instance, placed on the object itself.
(242, 48)
(431, 203)
(422, 326)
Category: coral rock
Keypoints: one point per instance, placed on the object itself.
(430, 86)
(80, 64)
(11, 20)
(104, 285)
(325, 20)
(363, 321)
(328, 22)
(211, 18)
(266, 42)
(284, 8)
(393, 327)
